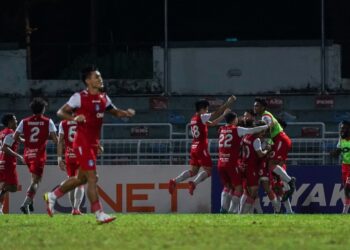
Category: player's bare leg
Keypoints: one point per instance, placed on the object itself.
(4, 190)
(271, 194)
(236, 199)
(27, 205)
(225, 199)
(199, 178)
(247, 207)
(182, 177)
(276, 167)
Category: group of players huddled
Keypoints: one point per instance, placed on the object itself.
(252, 150)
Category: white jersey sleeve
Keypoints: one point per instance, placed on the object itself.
(52, 127)
(20, 128)
(248, 131)
(60, 129)
(9, 140)
(267, 119)
(338, 144)
(205, 117)
(75, 101)
(257, 144)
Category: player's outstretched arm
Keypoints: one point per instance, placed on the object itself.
(121, 113)
(219, 119)
(65, 113)
(248, 131)
(222, 108)
(7, 150)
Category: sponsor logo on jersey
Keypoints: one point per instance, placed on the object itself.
(91, 163)
(99, 115)
(97, 107)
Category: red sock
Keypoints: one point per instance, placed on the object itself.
(31, 194)
(226, 190)
(58, 192)
(96, 206)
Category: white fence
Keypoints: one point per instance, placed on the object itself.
(176, 152)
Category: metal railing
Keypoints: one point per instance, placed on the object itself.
(176, 152)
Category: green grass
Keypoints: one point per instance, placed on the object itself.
(194, 231)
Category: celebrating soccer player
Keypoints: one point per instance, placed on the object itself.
(281, 146)
(228, 164)
(69, 163)
(200, 157)
(8, 157)
(87, 110)
(36, 130)
(343, 149)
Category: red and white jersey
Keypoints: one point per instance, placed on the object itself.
(93, 108)
(35, 130)
(6, 138)
(250, 145)
(229, 146)
(68, 130)
(199, 130)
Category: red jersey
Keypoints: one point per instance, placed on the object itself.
(93, 108)
(6, 137)
(199, 130)
(249, 156)
(35, 130)
(68, 129)
(229, 146)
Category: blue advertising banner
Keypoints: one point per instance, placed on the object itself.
(319, 190)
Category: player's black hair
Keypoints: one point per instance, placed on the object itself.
(85, 72)
(345, 123)
(250, 111)
(229, 117)
(37, 105)
(6, 118)
(201, 104)
(261, 101)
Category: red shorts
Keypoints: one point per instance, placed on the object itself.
(281, 147)
(230, 176)
(345, 171)
(72, 168)
(252, 175)
(86, 156)
(200, 157)
(8, 175)
(36, 166)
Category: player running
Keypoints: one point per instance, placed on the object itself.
(200, 157)
(69, 163)
(228, 165)
(343, 149)
(87, 108)
(8, 158)
(281, 146)
(36, 130)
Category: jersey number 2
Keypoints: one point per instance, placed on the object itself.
(34, 134)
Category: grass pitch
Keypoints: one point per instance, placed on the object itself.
(193, 231)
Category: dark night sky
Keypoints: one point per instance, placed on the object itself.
(133, 21)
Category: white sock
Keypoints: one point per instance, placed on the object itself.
(247, 206)
(225, 200)
(79, 195)
(201, 177)
(285, 186)
(71, 197)
(282, 173)
(183, 176)
(288, 206)
(276, 204)
(52, 196)
(234, 206)
(1, 207)
(346, 209)
(243, 199)
(257, 206)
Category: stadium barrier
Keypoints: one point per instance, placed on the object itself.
(319, 190)
(122, 189)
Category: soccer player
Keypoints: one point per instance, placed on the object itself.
(200, 157)
(281, 146)
(228, 164)
(8, 157)
(343, 149)
(249, 118)
(36, 129)
(69, 163)
(87, 109)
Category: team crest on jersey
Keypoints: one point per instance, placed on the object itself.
(97, 107)
(91, 163)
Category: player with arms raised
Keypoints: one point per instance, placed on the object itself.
(8, 157)
(200, 157)
(69, 163)
(87, 109)
(36, 130)
(228, 165)
(281, 146)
